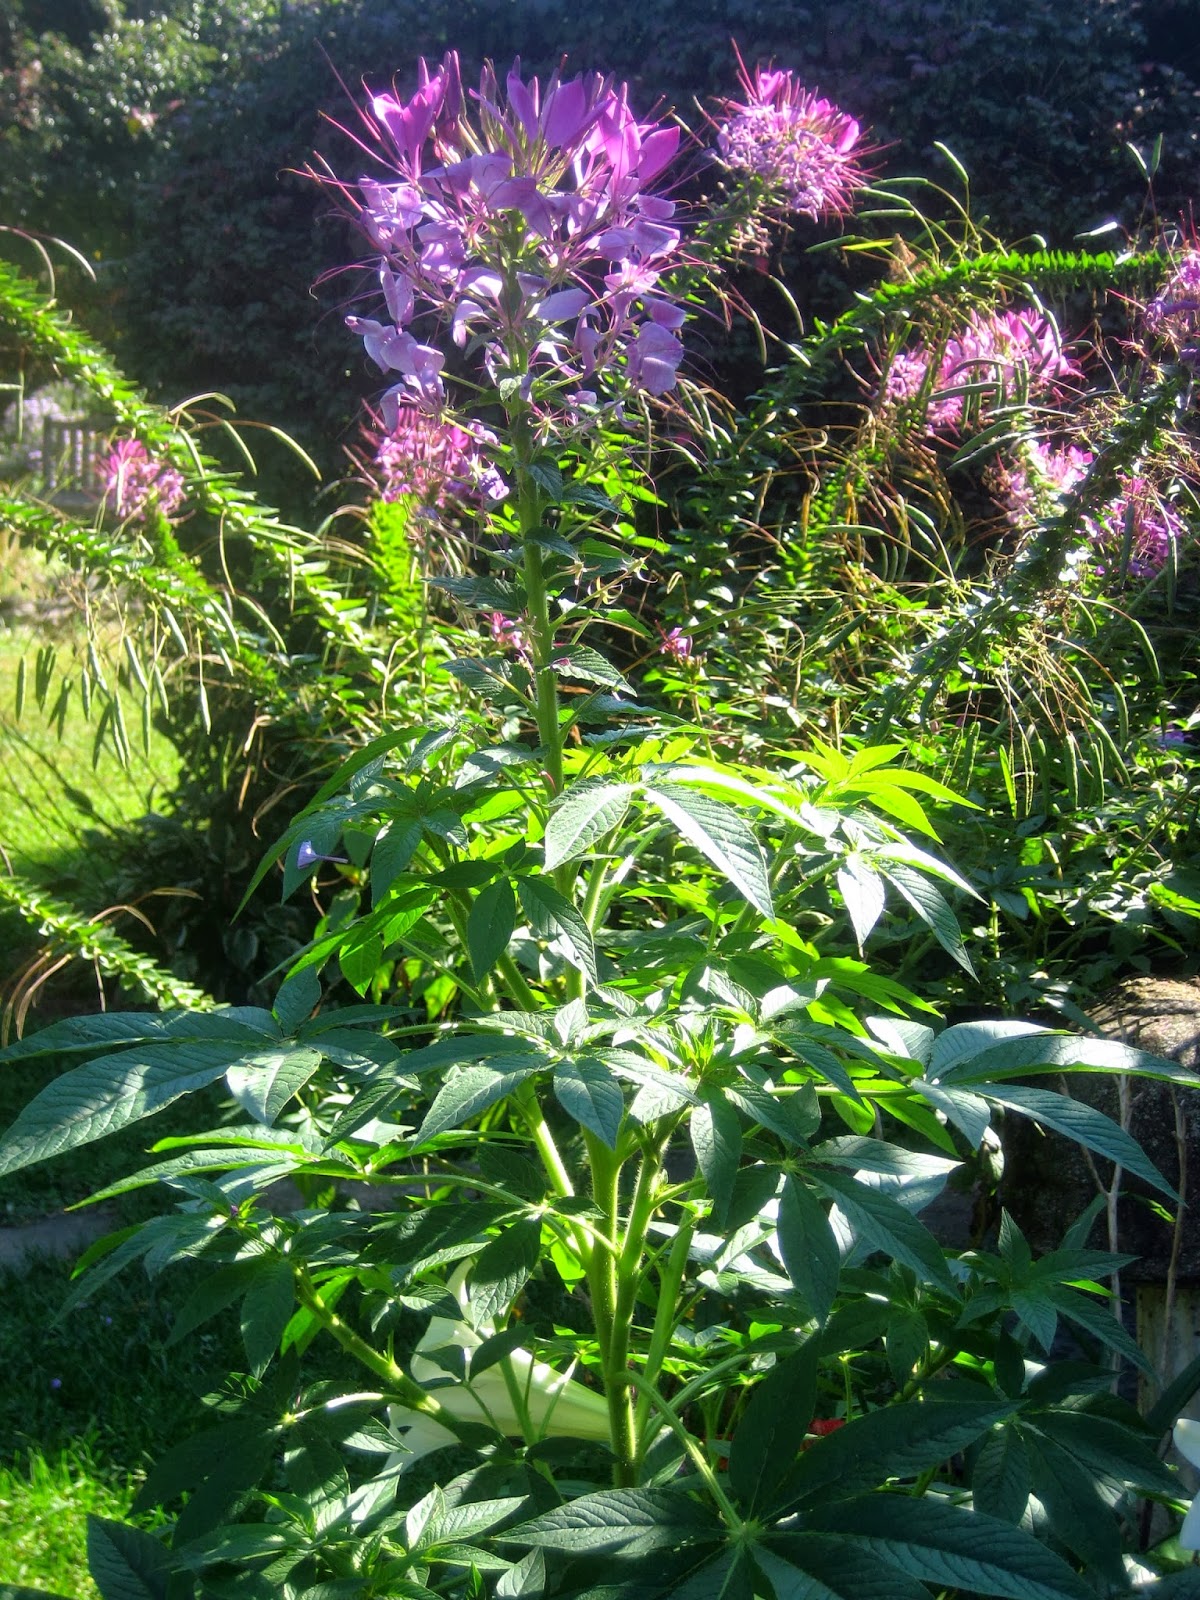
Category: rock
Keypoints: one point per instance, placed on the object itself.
(1049, 1180)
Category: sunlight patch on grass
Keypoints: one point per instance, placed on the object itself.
(44, 1506)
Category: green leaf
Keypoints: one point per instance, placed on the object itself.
(897, 1441)
(265, 1086)
(807, 1247)
(78, 1034)
(585, 813)
(880, 1223)
(1038, 1050)
(296, 1000)
(473, 1090)
(124, 1562)
(213, 1293)
(588, 1091)
(847, 1571)
(860, 1154)
(722, 836)
(906, 1343)
(490, 924)
(768, 1437)
(1076, 1512)
(1000, 1482)
(1100, 1322)
(503, 1268)
(632, 1521)
(931, 905)
(951, 1548)
(266, 1311)
(1174, 1400)
(579, 663)
(1082, 1123)
(553, 917)
(115, 1090)
(525, 1581)
(716, 1134)
(862, 890)
(394, 849)
(789, 1583)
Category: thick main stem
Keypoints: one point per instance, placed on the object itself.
(605, 1285)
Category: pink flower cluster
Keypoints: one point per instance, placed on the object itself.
(1009, 351)
(1140, 520)
(510, 636)
(801, 146)
(136, 483)
(1040, 480)
(529, 230)
(1174, 313)
(435, 462)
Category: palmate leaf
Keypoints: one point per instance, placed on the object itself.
(632, 1521)
(1000, 1481)
(553, 917)
(265, 1086)
(897, 1441)
(772, 1428)
(1029, 1049)
(862, 889)
(490, 924)
(115, 1090)
(716, 1134)
(948, 1547)
(722, 836)
(503, 1268)
(124, 1562)
(78, 1035)
(586, 812)
(588, 1091)
(1082, 1123)
(1079, 1517)
(473, 1090)
(808, 1247)
(833, 1569)
(934, 910)
(880, 1223)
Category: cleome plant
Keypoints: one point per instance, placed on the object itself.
(581, 1256)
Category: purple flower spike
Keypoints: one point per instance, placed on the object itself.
(547, 193)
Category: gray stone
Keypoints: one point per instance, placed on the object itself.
(1048, 1180)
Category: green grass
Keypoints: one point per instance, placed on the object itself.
(63, 797)
(44, 1507)
(87, 1401)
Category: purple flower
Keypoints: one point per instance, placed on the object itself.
(527, 229)
(676, 644)
(1039, 480)
(508, 633)
(1174, 313)
(1007, 351)
(798, 144)
(307, 856)
(1138, 521)
(435, 462)
(136, 483)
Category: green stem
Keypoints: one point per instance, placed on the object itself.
(664, 1324)
(604, 1289)
(692, 1446)
(381, 1366)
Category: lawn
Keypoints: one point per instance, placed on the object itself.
(88, 1399)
